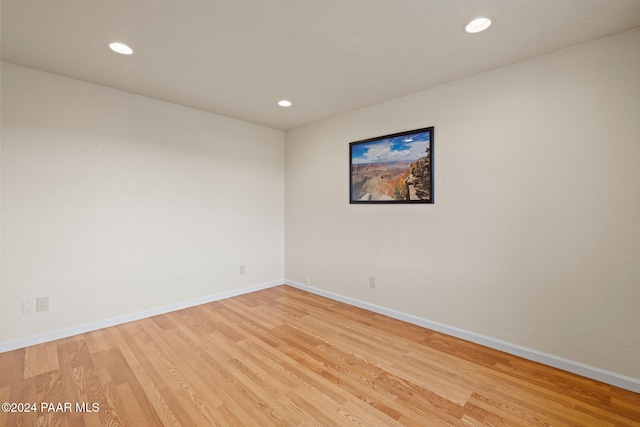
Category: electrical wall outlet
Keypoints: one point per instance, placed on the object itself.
(243, 269)
(28, 306)
(307, 281)
(42, 304)
(372, 282)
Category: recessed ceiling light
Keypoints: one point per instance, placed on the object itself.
(284, 103)
(477, 25)
(121, 48)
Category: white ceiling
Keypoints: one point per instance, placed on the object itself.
(239, 57)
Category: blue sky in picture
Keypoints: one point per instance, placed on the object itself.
(398, 149)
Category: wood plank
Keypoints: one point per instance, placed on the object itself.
(625, 403)
(40, 359)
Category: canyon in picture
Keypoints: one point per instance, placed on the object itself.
(394, 168)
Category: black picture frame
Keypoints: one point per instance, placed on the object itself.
(395, 168)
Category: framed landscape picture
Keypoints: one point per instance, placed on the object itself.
(396, 168)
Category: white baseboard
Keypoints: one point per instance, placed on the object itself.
(622, 381)
(100, 324)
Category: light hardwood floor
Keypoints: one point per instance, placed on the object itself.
(286, 357)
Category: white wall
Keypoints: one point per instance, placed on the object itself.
(114, 203)
(534, 237)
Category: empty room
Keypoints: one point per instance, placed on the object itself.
(320, 213)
